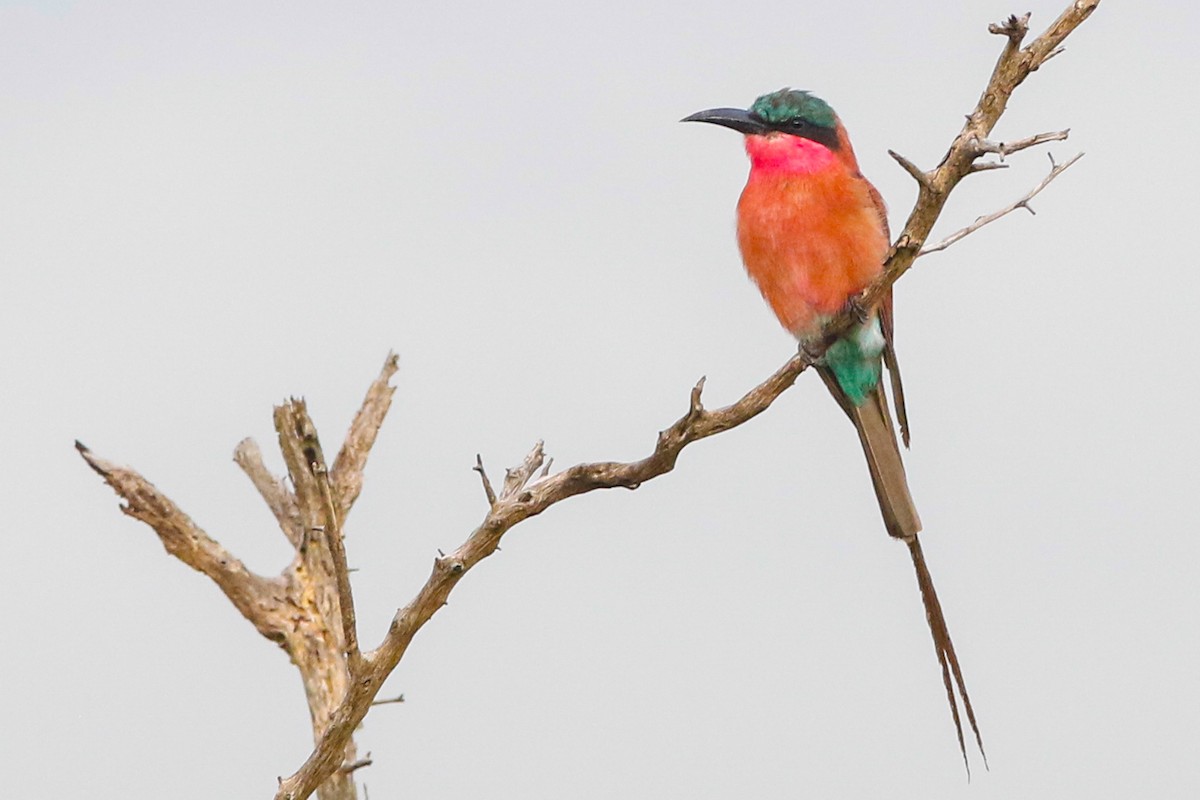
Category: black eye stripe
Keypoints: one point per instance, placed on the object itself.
(798, 126)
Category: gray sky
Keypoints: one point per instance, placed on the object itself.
(204, 210)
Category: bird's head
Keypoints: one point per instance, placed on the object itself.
(790, 128)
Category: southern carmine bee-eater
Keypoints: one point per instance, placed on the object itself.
(813, 233)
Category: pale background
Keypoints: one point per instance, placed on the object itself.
(204, 210)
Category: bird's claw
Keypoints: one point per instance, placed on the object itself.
(812, 351)
(855, 308)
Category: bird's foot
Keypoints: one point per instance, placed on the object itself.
(855, 308)
(812, 350)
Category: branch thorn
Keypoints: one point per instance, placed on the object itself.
(695, 406)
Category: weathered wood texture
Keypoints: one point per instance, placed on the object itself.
(308, 609)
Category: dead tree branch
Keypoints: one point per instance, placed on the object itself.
(1003, 149)
(1012, 68)
(347, 473)
(309, 608)
(341, 574)
(256, 597)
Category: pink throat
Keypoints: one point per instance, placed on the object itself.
(780, 153)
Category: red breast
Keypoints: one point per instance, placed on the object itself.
(810, 232)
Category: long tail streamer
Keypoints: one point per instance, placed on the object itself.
(945, 653)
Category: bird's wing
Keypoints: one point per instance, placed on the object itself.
(887, 318)
(893, 366)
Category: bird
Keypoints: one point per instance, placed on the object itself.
(813, 233)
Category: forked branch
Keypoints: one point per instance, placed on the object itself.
(1055, 170)
(1012, 68)
(309, 608)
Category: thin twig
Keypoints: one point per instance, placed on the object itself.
(1055, 171)
(359, 764)
(1003, 149)
(274, 491)
(912, 169)
(346, 474)
(516, 478)
(483, 476)
(388, 701)
(984, 166)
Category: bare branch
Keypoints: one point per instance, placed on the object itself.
(278, 497)
(337, 549)
(1012, 67)
(306, 464)
(253, 595)
(518, 501)
(388, 701)
(1003, 149)
(1055, 171)
(984, 166)
(516, 478)
(346, 475)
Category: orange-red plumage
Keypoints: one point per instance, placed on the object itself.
(811, 251)
(810, 228)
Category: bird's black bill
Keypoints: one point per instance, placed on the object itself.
(739, 119)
